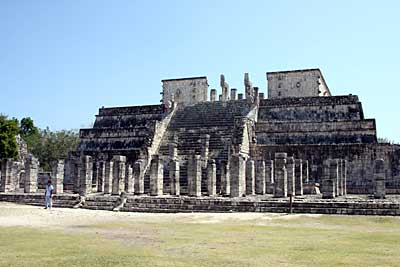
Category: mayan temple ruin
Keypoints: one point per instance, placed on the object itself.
(230, 149)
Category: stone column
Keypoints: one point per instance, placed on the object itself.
(379, 179)
(344, 177)
(118, 181)
(174, 177)
(280, 175)
(86, 175)
(101, 176)
(290, 176)
(76, 171)
(57, 176)
(129, 182)
(194, 176)
(233, 93)
(340, 177)
(156, 176)
(261, 95)
(205, 143)
(211, 178)
(138, 176)
(108, 176)
(250, 177)
(269, 176)
(260, 177)
(237, 164)
(298, 177)
(173, 150)
(240, 96)
(31, 175)
(225, 179)
(213, 95)
(334, 167)
(328, 183)
(305, 172)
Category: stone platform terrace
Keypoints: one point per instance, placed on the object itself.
(349, 205)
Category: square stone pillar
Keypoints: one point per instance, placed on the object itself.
(213, 95)
(101, 175)
(305, 172)
(156, 176)
(379, 179)
(138, 176)
(280, 175)
(269, 176)
(194, 176)
(290, 176)
(31, 175)
(328, 182)
(108, 177)
(211, 178)
(129, 183)
(205, 143)
(260, 188)
(118, 180)
(233, 93)
(340, 178)
(335, 175)
(57, 176)
(344, 172)
(237, 169)
(6, 176)
(86, 175)
(250, 177)
(76, 165)
(225, 179)
(298, 177)
(174, 177)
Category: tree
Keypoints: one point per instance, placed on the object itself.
(8, 132)
(30, 133)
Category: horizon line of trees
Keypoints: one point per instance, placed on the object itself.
(44, 144)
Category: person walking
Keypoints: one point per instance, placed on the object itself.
(49, 195)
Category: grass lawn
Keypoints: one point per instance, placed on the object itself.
(299, 241)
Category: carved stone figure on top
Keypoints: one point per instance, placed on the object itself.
(248, 85)
(225, 88)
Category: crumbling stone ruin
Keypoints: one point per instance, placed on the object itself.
(299, 141)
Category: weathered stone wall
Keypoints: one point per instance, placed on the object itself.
(186, 91)
(299, 83)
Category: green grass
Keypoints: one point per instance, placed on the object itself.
(304, 241)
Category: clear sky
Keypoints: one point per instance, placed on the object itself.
(62, 60)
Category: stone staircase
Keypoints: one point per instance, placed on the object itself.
(190, 123)
(37, 199)
(101, 202)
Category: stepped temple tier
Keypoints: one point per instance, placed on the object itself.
(227, 150)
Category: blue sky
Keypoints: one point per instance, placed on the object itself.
(62, 60)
